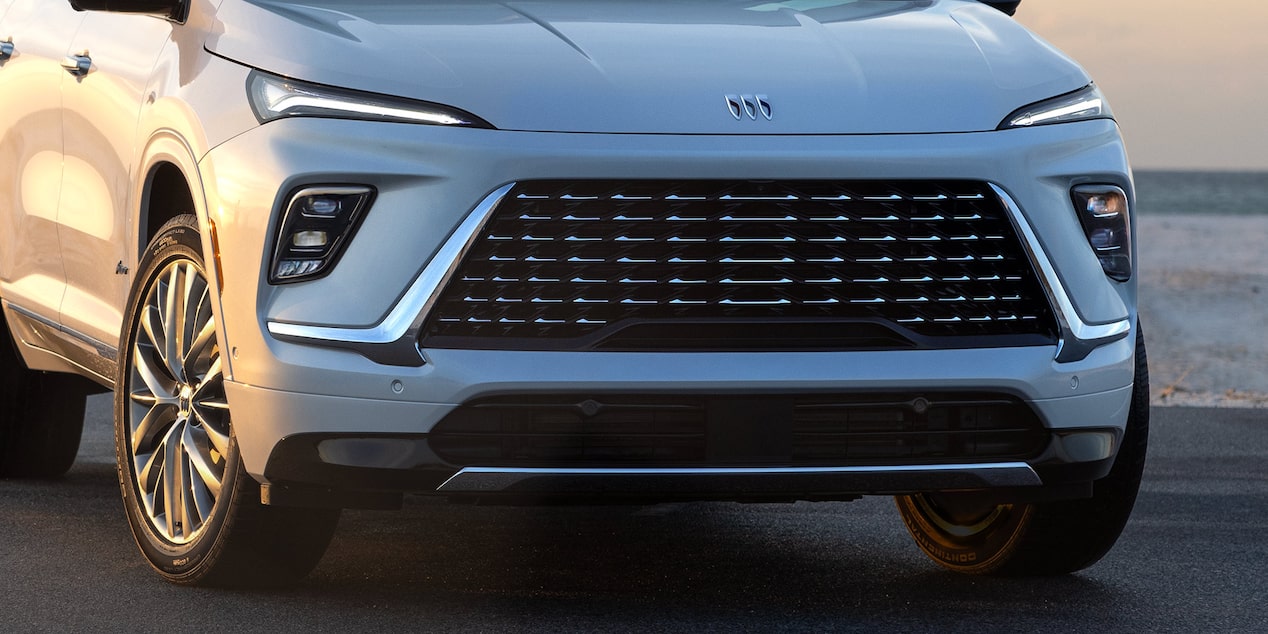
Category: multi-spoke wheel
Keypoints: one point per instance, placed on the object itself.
(194, 511)
(970, 533)
(178, 420)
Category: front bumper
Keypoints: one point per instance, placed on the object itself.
(303, 357)
(382, 444)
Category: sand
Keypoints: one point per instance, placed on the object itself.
(1204, 308)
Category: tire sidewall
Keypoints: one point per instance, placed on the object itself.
(178, 240)
(1056, 537)
(980, 553)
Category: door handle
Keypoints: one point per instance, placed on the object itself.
(78, 65)
(6, 49)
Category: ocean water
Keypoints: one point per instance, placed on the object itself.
(1232, 193)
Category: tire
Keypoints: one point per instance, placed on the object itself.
(964, 534)
(41, 417)
(193, 509)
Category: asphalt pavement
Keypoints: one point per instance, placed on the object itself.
(1193, 558)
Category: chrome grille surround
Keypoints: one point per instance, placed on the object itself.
(574, 265)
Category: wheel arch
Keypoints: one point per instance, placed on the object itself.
(173, 186)
(166, 195)
(168, 188)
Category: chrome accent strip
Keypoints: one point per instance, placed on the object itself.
(51, 323)
(101, 349)
(93, 359)
(392, 340)
(1078, 338)
(756, 480)
(763, 106)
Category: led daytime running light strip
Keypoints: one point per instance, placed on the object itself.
(1091, 106)
(275, 97)
(295, 101)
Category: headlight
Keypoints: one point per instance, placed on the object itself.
(1102, 210)
(275, 97)
(316, 226)
(1080, 105)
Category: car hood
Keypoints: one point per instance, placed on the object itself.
(665, 66)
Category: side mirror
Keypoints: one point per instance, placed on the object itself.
(1007, 7)
(170, 9)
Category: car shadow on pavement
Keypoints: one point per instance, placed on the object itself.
(835, 565)
(437, 566)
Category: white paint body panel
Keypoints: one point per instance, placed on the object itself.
(869, 89)
(630, 66)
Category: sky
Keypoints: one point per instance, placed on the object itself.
(1187, 79)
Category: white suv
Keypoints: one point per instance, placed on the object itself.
(327, 252)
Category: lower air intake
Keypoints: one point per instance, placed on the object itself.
(731, 431)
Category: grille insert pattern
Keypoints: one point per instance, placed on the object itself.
(703, 431)
(569, 265)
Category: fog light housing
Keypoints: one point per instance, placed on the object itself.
(316, 227)
(1102, 209)
(1088, 446)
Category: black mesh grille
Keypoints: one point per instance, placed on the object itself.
(680, 265)
(702, 431)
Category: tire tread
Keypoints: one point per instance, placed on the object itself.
(41, 417)
(245, 543)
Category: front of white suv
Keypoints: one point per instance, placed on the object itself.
(629, 251)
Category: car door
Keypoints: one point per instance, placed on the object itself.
(37, 34)
(101, 107)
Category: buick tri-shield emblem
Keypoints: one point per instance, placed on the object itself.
(750, 106)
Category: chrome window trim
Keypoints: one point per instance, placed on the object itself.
(393, 340)
(1078, 338)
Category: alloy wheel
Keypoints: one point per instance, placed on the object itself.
(177, 415)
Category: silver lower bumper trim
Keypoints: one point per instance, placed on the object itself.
(742, 481)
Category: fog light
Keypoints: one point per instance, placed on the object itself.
(376, 453)
(296, 268)
(1103, 212)
(309, 239)
(324, 206)
(315, 229)
(1088, 446)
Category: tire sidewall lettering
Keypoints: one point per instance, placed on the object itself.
(174, 243)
